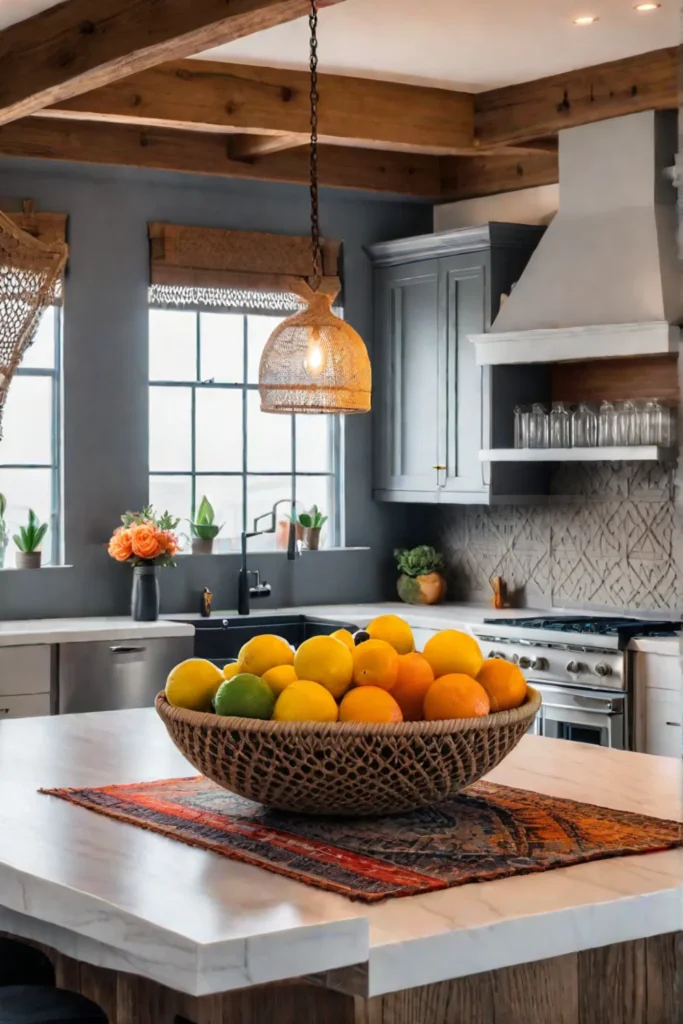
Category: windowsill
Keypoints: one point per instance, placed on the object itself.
(251, 552)
(41, 568)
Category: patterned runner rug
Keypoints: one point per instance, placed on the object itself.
(488, 832)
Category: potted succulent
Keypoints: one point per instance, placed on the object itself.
(147, 541)
(420, 581)
(204, 530)
(4, 531)
(312, 523)
(28, 542)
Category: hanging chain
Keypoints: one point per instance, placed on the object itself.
(315, 226)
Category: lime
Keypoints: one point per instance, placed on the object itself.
(245, 696)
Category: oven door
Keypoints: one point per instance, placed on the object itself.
(586, 716)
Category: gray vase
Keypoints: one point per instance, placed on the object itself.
(202, 545)
(28, 559)
(145, 596)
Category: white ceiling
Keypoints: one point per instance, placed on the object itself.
(470, 44)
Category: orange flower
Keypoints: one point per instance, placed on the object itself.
(145, 541)
(169, 542)
(120, 545)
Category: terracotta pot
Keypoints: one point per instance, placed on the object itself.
(28, 559)
(429, 589)
(202, 545)
(313, 538)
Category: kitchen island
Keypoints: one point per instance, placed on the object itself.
(153, 929)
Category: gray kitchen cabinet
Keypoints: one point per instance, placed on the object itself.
(431, 402)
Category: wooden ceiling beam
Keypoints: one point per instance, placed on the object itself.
(473, 177)
(517, 113)
(207, 153)
(201, 95)
(79, 45)
(250, 147)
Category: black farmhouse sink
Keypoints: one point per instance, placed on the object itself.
(220, 640)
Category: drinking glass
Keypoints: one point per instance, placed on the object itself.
(521, 426)
(665, 424)
(607, 425)
(584, 427)
(538, 426)
(560, 426)
(628, 426)
(647, 416)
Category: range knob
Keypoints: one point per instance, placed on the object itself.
(603, 669)
(574, 667)
(540, 664)
(496, 654)
(525, 662)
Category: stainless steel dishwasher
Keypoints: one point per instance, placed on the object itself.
(113, 674)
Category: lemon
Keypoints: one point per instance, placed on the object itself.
(279, 678)
(451, 651)
(345, 637)
(326, 661)
(192, 684)
(232, 669)
(393, 630)
(264, 652)
(245, 696)
(306, 701)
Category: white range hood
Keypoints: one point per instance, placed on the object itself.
(605, 280)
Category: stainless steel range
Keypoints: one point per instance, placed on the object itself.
(583, 670)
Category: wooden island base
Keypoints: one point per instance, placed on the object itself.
(631, 983)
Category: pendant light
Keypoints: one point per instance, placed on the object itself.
(314, 362)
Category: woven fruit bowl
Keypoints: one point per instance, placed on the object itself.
(347, 768)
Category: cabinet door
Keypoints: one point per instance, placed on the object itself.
(463, 394)
(663, 726)
(405, 382)
(25, 670)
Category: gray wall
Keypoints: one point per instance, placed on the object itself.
(105, 459)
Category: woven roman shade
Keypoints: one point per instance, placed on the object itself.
(214, 258)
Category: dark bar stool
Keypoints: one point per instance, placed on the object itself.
(40, 1004)
(24, 965)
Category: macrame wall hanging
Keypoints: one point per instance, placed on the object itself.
(29, 272)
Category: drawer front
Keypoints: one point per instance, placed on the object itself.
(660, 672)
(25, 705)
(663, 723)
(25, 669)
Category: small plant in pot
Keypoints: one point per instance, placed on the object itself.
(420, 581)
(204, 529)
(4, 530)
(28, 542)
(312, 523)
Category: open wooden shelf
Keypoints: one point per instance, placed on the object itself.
(636, 453)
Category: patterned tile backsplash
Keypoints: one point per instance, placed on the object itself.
(611, 536)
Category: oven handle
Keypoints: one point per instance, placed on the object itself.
(608, 713)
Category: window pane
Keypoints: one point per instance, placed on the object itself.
(219, 430)
(269, 439)
(172, 494)
(41, 354)
(259, 329)
(313, 443)
(27, 422)
(170, 428)
(262, 493)
(25, 489)
(317, 490)
(222, 347)
(225, 494)
(172, 345)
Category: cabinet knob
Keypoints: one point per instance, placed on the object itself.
(439, 467)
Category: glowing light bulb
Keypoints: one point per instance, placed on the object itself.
(586, 19)
(315, 353)
(643, 8)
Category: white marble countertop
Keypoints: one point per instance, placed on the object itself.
(120, 897)
(65, 631)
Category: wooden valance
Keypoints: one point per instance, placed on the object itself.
(194, 257)
(46, 227)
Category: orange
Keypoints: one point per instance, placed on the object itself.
(345, 637)
(369, 704)
(394, 630)
(452, 651)
(232, 669)
(456, 696)
(279, 678)
(326, 661)
(263, 652)
(375, 663)
(504, 683)
(305, 701)
(415, 676)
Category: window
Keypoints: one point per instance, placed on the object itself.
(30, 447)
(207, 434)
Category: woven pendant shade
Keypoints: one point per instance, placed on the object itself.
(29, 271)
(315, 362)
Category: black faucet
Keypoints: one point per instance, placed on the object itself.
(245, 591)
